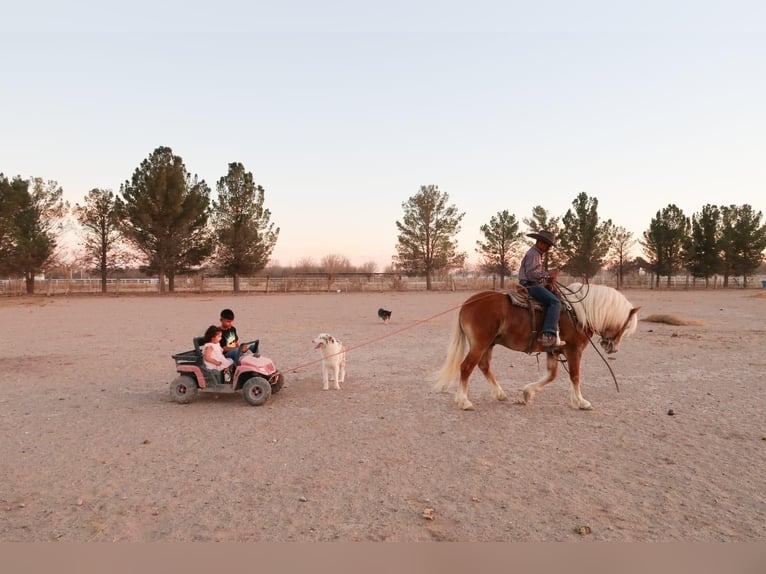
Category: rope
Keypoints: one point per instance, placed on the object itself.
(431, 318)
(381, 337)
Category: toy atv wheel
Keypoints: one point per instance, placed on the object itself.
(183, 389)
(276, 386)
(256, 391)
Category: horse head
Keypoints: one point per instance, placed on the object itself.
(611, 338)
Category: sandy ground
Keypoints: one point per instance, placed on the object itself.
(93, 448)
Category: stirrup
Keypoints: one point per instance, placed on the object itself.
(551, 341)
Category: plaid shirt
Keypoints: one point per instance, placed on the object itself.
(532, 270)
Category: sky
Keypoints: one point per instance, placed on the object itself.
(342, 110)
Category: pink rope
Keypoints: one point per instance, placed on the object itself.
(381, 337)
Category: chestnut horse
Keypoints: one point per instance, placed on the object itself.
(490, 318)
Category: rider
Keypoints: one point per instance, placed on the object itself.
(533, 276)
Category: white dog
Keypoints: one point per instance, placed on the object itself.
(333, 359)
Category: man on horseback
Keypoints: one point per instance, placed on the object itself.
(534, 277)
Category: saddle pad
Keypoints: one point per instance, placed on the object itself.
(522, 299)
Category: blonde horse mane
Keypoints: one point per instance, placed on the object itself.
(600, 307)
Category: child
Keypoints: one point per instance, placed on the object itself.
(213, 354)
(229, 340)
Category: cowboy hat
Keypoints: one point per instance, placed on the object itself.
(544, 236)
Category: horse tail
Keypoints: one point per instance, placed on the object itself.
(456, 350)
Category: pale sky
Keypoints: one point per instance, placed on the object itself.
(343, 109)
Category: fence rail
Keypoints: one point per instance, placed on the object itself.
(356, 282)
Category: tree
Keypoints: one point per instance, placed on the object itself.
(426, 242)
(619, 252)
(501, 238)
(100, 219)
(743, 241)
(584, 240)
(335, 263)
(368, 267)
(31, 222)
(246, 236)
(703, 249)
(664, 242)
(541, 220)
(12, 196)
(164, 213)
(306, 265)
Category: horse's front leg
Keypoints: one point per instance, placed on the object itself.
(575, 396)
(551, 368)
(484, 365)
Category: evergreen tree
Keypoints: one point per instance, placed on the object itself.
(584, 240)
(664, 242)
(426, 242)
(32, 220)
(703, 250)
(743, 241)
(541, 220)
(164, 213)
(244, 232)
(12, 196)
(501, 240)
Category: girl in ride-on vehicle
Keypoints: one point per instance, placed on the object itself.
(213, 354)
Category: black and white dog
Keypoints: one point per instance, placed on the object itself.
(384, 314)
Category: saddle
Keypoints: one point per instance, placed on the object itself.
(522, 298)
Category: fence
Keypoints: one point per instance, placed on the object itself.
(352, 282)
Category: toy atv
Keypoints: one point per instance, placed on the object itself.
(256, 377)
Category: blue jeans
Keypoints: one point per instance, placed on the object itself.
(552, 307)
(233, 354)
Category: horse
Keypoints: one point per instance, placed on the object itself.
(490, 318)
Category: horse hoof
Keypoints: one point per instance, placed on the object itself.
(583, 406)
(468, 407)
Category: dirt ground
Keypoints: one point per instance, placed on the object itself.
(94, 449)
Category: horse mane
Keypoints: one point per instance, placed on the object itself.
(600, 307)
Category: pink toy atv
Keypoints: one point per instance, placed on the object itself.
(256, 377)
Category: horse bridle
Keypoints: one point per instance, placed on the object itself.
(607, 343)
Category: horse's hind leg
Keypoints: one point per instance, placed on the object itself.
(466, 368)
(552, 367)
(484, 365)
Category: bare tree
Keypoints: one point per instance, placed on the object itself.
(102, 240)
(335, 263)
(619, 252)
